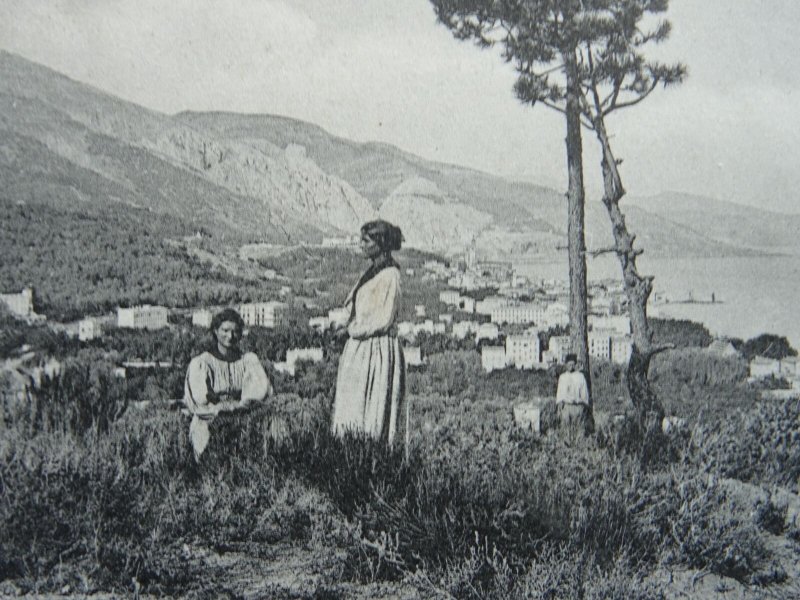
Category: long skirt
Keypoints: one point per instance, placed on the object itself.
(371, 390)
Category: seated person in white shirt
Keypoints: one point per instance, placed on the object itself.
(222, 379)
(572, 396)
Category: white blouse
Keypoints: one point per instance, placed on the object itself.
(243, 379)
(376, 305)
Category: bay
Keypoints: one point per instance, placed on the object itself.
(754, 294)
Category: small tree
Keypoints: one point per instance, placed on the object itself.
(766, 344)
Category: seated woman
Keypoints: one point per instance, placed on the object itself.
(370, 384)
(222, 379)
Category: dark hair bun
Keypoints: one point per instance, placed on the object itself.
(388, 237)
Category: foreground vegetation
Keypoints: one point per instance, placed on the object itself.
(480, 509)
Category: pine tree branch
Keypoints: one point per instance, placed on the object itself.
(660, 349)
(620, 105)
(601, 251)
(629, 252)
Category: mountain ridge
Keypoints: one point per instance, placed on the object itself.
(260, 177)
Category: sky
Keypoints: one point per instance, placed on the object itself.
(385, 70)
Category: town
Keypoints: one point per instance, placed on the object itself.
(515, 323)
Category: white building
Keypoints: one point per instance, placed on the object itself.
(319, 323)
(434, 266)
(462, 329)
(410, 331)
(600, 344)
(722, 347)
(425, 327)
(446, 318)
(621, 349)
(350, 241)
(789, 368)
(405, 329)
(509, 291)
(601, 304)
(490, 303)
(620, 324)
(522, 351)
(559, 347)
(20, 304)
(518, 280)
(89, 329)
(419, 310)
(493, 358)
(147, 364)
(762, 366)
(487, 331)
(413, 356)
(548, 357)
(339, 316)
(555, 314)
(469, 282)
(142, 317)
(528, 416)
(202, 318)
(263, 314)
(296, 355)
(471, 256)
(449, 297)
(518, 314)
(466, 304)
(495, 269)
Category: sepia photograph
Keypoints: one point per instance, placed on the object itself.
(402, 299)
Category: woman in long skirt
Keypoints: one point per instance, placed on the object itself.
(371, 382)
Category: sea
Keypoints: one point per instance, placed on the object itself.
(753, 295)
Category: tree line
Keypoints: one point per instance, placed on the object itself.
(93, 261)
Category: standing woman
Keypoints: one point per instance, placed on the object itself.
(222, 379)
(371, 382)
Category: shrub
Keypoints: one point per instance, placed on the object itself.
(698, 526)
(680, 333)
(769, 345)
(698, 367)
(759, 445)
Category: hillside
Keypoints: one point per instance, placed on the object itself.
(263, 192)
(520, 218)
(263, 178)
(725, 222)
(93, 260)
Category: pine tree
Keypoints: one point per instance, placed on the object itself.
(584, 59)
(541, 38)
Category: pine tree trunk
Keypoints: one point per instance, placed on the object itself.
(575, 223)
(637, 290)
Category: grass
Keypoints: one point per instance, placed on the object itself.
(479, 510)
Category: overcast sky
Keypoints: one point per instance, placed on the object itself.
(385, 70)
